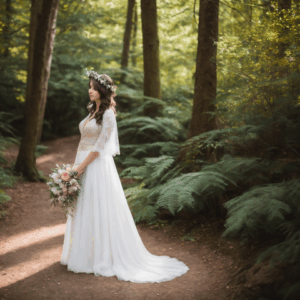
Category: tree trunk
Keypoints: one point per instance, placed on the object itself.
(248, 11)
(267, 6)
(206, 69)
(284, 4)
(48, 59)
(127, 34)
(151, 56)
(6, 28)
(133, 57)
(43, 14)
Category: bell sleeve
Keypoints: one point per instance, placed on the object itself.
(108, 141)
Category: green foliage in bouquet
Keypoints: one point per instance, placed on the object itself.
(64, 193)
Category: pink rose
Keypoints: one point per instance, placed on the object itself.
(65, 190)
(65, 176)
(68, 169)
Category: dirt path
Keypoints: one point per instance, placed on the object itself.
(31, 240)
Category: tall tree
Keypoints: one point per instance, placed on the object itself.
(41, 37)
(6, 28)
(206, 69)
(248, 11)
(151, 56)
(284, 4)
(134, 36)
(48, 59)
(127, 34)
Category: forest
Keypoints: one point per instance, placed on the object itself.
(208, 112)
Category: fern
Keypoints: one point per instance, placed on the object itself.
(157, 167)
(290, 291)
(238, 169)
(227, 137)
(135, 129)
(6, 177)
(3, 197)
(40, 150)
(134, 153)
(269, 208)
(180, 192)
(152, 171)
(139, 203)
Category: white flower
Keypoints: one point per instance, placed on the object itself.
(73, 181)
(56, 177)
(61, 185)
(55, 191)
(60, 171)
(72, 189)
(99, 78)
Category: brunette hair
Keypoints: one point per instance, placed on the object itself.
(107, 98)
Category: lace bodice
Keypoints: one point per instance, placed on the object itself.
(100, 138)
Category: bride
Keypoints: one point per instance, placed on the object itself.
(101, 236)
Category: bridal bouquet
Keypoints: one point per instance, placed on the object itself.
(62, 191)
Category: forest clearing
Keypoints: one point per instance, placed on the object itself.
(31, 244)
(200, 102)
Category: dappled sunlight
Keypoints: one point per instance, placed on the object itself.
(30, 237)
(28, 268)
(44, 158)
(37, 260)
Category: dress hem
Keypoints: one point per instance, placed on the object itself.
(122, 279)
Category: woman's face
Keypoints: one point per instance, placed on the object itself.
(93, 93)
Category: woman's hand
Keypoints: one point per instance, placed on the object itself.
(77, 169)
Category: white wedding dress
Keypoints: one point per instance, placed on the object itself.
(101, 236)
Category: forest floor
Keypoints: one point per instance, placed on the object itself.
(31, 240)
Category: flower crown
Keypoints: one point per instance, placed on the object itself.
(103, 81)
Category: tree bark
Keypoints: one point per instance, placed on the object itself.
(48, 59)
(43, 14)
(206, 69)
(127, 34)
(133, 57)
(284, 4)
(151, 56)
(6, 28)
(266, 7)
(248, 11)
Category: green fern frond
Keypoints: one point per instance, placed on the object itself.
(159, 164)
(180, 192)
(140, 204)
(262, 208)
(135, 172)
(290, 291)
(6, 178)
(235, 168)
(164, 129)
(3, 197)
(287, 251)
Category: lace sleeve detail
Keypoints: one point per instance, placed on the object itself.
(108, 124)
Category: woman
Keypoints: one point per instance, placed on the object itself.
(101, 236)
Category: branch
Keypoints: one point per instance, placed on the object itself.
(26, 25)
(194, 12)
(234, 9)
